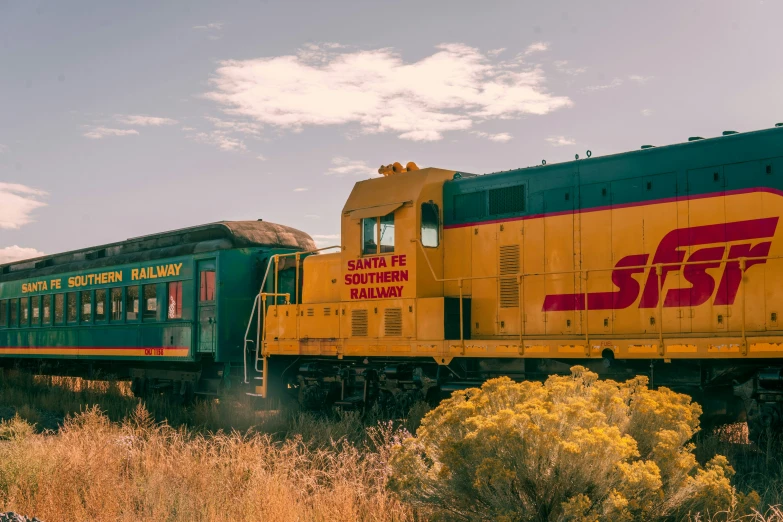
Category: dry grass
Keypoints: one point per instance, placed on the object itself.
(93, 469)
(105, 456)
(72, 449)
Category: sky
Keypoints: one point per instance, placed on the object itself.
(120, 119)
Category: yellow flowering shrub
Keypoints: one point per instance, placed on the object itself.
(572, 448)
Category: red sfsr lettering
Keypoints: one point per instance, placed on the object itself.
(668, 251)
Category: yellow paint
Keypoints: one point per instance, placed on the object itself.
(555, 251)
(103, 278)
(154, 272)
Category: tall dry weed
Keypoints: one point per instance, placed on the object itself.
(95, 469)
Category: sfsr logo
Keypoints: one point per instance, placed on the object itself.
(668, 251)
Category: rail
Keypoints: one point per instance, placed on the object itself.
(584, 274)
(259, 312)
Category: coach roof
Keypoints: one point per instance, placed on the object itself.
(222, 235)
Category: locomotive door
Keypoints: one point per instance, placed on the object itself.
(207, 318)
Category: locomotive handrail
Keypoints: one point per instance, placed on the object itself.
(247, 332)
(261, 317)
(584, 275)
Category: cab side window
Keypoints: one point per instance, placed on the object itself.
(378, 235)
(369, 244)
(430, 225)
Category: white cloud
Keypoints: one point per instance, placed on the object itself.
(14, 253)
(188, 129)
(98, 133)
(261, 157)
(236, 126)
(140, 120)
(646, 112)
(495, 52)
(324, 240)
(560, 141)
(215, 26)
(563, 67)
(501, 137)
(449, 90)
(616, 82)
(536, 47)
(17, 202)
(342, 166)
(221, 140)
(640, 79)
(301, 189)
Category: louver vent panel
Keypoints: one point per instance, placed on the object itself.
(509, 265)
(358, 323)
(507, 200)
(327, 312)
(310, 312)
(470, 206)
(392, 321)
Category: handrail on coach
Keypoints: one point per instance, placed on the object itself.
(520, 276)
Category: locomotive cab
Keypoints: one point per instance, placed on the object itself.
(384, 284)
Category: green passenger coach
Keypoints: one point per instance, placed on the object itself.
(167, 310)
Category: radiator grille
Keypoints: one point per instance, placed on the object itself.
(392, 321)
(327, 312)
(507, 200)
(358, 323)
(470, 206)
(509, 265)
(310, 312)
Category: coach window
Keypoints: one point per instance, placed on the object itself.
(150, 302)
(132, 303)
(207, 286)
(35, 310)
(87, 306)
(430, 225)
(46, 309)
(14, 306)
(24, 311)
(72, 307)
(3, 313)
(175, 300)
(100, 305)
(59, 308)
(116, 304)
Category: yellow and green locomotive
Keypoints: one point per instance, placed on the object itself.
(665, 261)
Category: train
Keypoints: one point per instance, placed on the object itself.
(166, 311)
(662, 261)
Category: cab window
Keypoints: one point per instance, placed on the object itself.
(369, 244)
(378, 235)
(430, 225)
